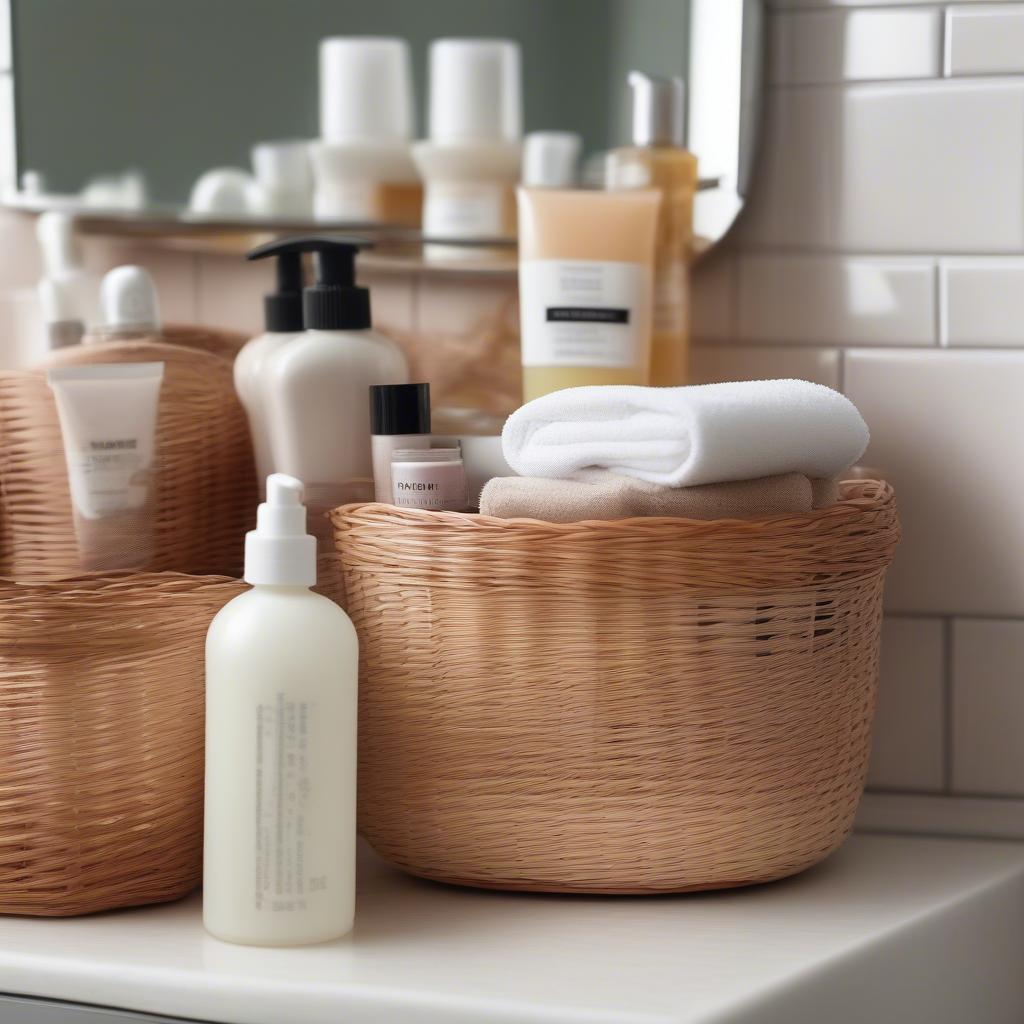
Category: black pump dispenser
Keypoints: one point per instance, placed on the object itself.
(282, 308)
(334, 302)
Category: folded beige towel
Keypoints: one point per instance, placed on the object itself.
(600, 494)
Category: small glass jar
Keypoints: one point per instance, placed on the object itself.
(429, 478)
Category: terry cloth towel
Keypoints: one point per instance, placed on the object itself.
(702, 434)
(599, 494)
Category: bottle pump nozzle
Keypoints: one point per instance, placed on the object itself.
(659, 112)
(334, 302)
(279, 552)
(282, 308)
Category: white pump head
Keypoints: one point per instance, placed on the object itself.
(128, 298)
(279, 552)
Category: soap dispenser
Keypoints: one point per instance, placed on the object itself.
(657, 159)
(281, 675)
(282, 318)
(316, 387)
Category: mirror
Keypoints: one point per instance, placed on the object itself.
(122, 106)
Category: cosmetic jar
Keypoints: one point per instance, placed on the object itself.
(430, 478)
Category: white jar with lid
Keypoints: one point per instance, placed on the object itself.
(431, 478)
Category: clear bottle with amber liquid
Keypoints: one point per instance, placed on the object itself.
(658, 160)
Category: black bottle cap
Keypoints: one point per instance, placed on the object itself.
(282, 308)
(334, 302)
(399, 408)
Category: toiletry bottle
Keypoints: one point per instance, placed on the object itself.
(470, 163)
(281, 676)
(399, 418)
(658, 160)
(316, 386)
(282, 317)
(362, 161)
(585, 287)
(431, 478)
(129, 304)
(284, 179)
(68, 293)
(551, 159)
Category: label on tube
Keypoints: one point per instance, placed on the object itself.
(583, 312)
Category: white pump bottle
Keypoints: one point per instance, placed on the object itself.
(281, 676)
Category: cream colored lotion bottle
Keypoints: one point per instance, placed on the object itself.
(281, 681)
(316, 387)
(658, 160)
(282, 313)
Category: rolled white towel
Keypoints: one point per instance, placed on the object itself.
(702, 434)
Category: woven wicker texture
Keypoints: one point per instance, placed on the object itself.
(101, 740)
(214, 340)
(206, 484)
(648, 705)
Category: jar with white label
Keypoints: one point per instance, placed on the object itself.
(429, 478)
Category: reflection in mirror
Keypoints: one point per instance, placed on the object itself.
(237, 113)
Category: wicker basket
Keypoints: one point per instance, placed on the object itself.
(101, 740)
(206, 483)
(641, 706)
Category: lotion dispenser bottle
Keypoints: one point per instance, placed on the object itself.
(282, 317)
(281, 678)
(657, 159)
(317, 387)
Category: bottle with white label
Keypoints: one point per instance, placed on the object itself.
(470, 162)
(281, 677)
(585, 287)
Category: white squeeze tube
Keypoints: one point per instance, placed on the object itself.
(108, 424)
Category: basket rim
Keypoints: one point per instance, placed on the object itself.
(858, 497)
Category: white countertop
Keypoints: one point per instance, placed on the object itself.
(889, 929)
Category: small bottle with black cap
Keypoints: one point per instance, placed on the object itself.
(316, 386)
(282, 318)
(399, 418)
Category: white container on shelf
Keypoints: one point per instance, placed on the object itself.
(470, 161)
(366, 123)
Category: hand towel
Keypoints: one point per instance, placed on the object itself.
(600, 494)
(702, 434)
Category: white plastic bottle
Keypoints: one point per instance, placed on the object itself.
(470, 162)
(317, 387)
(282, 317)
(362, 164)
(281, 678)
(69, 295)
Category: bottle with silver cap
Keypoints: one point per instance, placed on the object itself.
(658, 159)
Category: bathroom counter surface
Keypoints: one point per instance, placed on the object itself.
(890, 928)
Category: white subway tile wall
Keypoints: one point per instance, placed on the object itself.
(887, 223)
(836, 46)
(850, 301)
(982, 302)
(988, 707)
(711, 363)
(985, 41)
(908, 744)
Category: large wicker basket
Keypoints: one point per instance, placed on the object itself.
(101, 740)
(637, 706)
(205, 485)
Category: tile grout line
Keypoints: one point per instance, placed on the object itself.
(947, 705)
